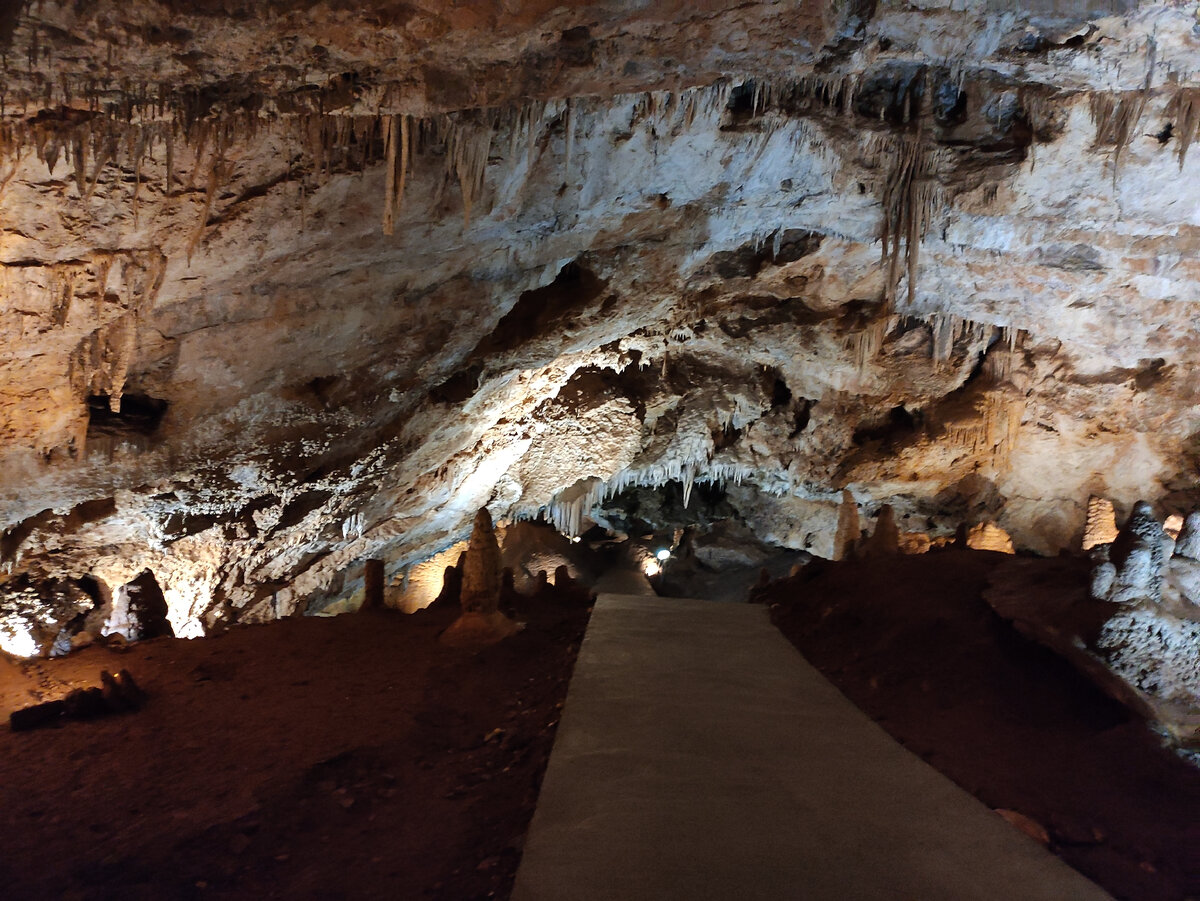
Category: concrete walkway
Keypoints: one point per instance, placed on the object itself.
(700, 757)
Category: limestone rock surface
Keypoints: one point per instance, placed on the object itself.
(291, 285)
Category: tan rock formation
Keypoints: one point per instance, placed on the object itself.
(915, 543)
(481, 622)
(987, 536)
(1101, 524)
(481, 567)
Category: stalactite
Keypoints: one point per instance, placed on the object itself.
(570, 140)
(405, 143)
(992, 433)
(216, 177)
(865, 343)
(910, 197)
(948, 328)
(138, 153)
(1184, 111)
(80, 163)
(1002, 356)
(1116, 119)
(1038, 112)
(391, 141)
(567, 510)
(467, 148)
(170, 176)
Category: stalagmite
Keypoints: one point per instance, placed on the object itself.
(885, 540)
(1130, 570)
(481, 567)
(1183, 568)
(373, 585)
(848, 530)
(481, 622)
(1188, 543)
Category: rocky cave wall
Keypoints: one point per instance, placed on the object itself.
(291, 285)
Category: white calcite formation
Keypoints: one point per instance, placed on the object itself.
(288, 286)
(1153, 641)
(1130, 570)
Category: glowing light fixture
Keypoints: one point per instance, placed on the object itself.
(651, 567)
(663, 555)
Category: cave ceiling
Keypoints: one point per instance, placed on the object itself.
(287, 285)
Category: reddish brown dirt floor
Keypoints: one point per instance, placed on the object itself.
(352, 757)
(911, 642)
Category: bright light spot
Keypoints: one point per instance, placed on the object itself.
(193, 628)
(576, 540)
(651, 567)
(18, 642)
(663, 555)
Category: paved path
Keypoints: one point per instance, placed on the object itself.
(700, 757)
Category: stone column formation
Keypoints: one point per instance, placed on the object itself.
(481, 568)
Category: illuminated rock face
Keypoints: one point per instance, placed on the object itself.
(629, 243)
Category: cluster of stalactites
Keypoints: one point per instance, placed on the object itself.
(946, 331)
(1118, 118)
(568, 510)
(349, 127)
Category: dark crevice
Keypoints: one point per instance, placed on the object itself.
(137, 418)
(458, 388)
(148, 607)
(543, 310)
(802, 418)
(897, 428)
(781, 394)
(538, 313)
(777, 249)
